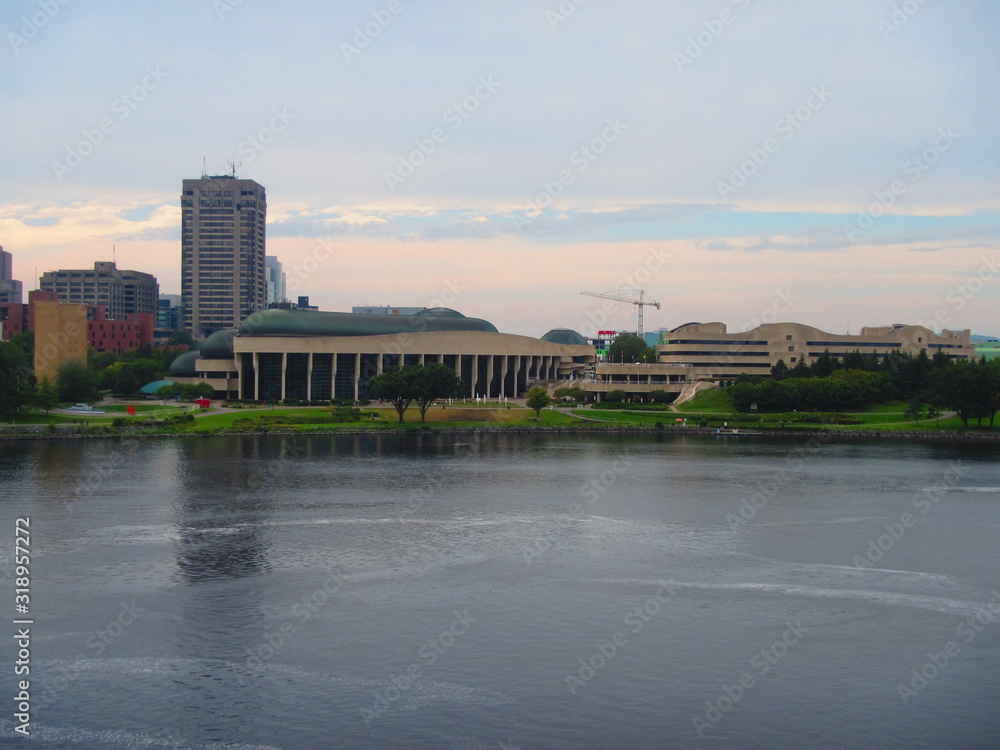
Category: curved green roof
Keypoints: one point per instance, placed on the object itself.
(184, 365)
(219, 345)
(150, 389)
(315, 323)
(564, 336)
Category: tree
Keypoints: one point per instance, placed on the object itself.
(181, 337)
(659, 397)
(46, 396)
(16, 378)
(394, 386)
(538, 398)
(431, 382)
(615, 396)
(914, 410)
(801, 369)
(780, 370)
(76, 382)
(627, 347)
(167, 391)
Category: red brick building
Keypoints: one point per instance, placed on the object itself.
(104, 335)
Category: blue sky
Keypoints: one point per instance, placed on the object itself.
(841, 155)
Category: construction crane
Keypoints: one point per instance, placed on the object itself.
(640, 303)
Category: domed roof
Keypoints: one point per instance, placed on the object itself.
(439, 312)
(184, 365)
(564, 336)
(316, 323)
(219, 345)
(150, 389)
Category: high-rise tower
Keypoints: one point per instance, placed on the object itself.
(223, 277)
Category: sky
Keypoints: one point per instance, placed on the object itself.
(742, 161)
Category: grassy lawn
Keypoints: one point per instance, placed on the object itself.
(631, 417)
(312, 419)
(713, 401)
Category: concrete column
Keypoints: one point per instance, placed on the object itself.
(378, 364)
(421, 360)
(284, 369)
(503, 374)
(309, 377)
(357, 374)
(519, 360)
(333, 377)
(239, 376)
(256, 375)
(489, 375)
(475, 374)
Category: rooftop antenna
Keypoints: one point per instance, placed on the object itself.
(233, 166)
(114, 255)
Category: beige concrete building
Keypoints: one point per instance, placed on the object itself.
(60, 336)
(295, 354)
(121, 292)
(719, 355)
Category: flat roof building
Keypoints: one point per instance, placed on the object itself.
(223, 272)
(121, 292)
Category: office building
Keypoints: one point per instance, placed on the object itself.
(223, 277)
(120, 292)
(275, 280)
(11, 291)
(169, 313)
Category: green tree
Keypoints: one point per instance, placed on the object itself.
(76, 382)
(780, 370)
(17, 381)
(801, 369)
(167, 391)
(431, 382)
(659, 397)
(627, 347)
(914, 410)
(393, 385)
(46, 396)
(616, 396)
(538, 398)
(181, 337)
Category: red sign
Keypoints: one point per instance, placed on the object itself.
(204, 402)
(131, 409)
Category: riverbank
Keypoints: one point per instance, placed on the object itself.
(73, 432)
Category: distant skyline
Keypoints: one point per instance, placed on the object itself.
(742, 161)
